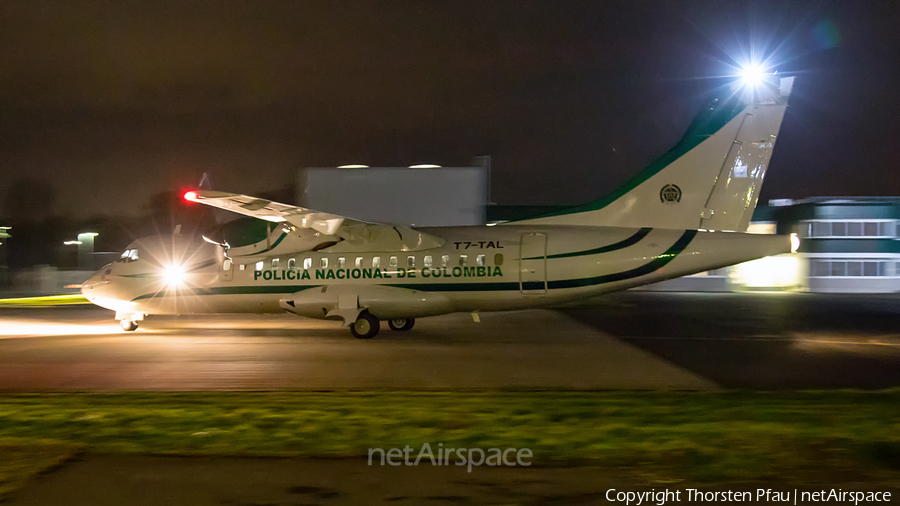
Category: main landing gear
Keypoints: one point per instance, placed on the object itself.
(128, 325)
(367, 325)
(401, 323)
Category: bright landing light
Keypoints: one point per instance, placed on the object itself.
(174, 274)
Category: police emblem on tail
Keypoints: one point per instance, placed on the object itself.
(670, 194)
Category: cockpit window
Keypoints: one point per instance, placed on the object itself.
(129, 255)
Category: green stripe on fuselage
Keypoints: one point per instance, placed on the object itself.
(657, 263)
(640, 234)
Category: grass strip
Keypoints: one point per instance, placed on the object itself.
(46, 300)
(704, 437)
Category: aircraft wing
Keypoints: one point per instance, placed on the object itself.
(326, 223)
(263, 209)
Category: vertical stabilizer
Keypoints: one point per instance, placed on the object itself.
(710, 179)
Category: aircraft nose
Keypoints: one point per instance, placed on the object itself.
(96, 286)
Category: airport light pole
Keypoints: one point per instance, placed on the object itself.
(4, 268)
(85, 245)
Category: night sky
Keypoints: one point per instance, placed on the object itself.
(113, 102)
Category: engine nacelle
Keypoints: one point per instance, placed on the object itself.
(346, 302)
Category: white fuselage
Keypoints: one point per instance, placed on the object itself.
(476, 269)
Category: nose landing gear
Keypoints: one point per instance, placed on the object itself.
(128, 325)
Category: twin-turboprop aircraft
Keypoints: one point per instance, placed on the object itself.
(683, 214)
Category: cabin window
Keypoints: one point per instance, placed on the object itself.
(498, 259)
(341, 262)
(445, 260)
(307, 263)
(463, 260)
(376, 262)
(292, 264)
(393, 262)
(410, 262)
(479, 260)
(259, 266)
(242, 267)
(274, 263)
(359, 263)
(323, 263)
(428, 261)
(226, 264)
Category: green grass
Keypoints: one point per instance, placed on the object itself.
(46, 300)
(706, 437)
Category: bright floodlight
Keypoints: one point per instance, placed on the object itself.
(174, 274)
(752, 74)
(190, 196)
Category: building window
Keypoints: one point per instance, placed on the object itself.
(851, 267)
(882, 229)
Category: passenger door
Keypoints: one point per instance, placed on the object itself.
(533, 263)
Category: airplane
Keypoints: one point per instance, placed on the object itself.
(685, 213)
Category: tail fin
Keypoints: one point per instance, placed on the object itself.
(710, 179)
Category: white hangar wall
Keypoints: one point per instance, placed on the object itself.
(424, 197)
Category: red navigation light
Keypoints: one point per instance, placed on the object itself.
(191, 196)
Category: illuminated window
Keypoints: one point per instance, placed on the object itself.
(392, 262)
(242, 267)
(410, 262)
(275, 263)
(428, 261)
(359, 263)
(463, 260)
(341, 262)
(226, 264)
(323, 263)
(498, 259)
(445, 260)
(292, 264)
(376, 262)
(259, 266)
(479, 260)
(307, 263)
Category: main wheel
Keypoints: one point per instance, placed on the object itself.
(128, 325)
(366, 326)
(401, 323)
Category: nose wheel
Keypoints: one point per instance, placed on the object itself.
(128, 325)
(366, 326)
(401, 323)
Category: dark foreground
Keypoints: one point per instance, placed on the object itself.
(139, 481)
